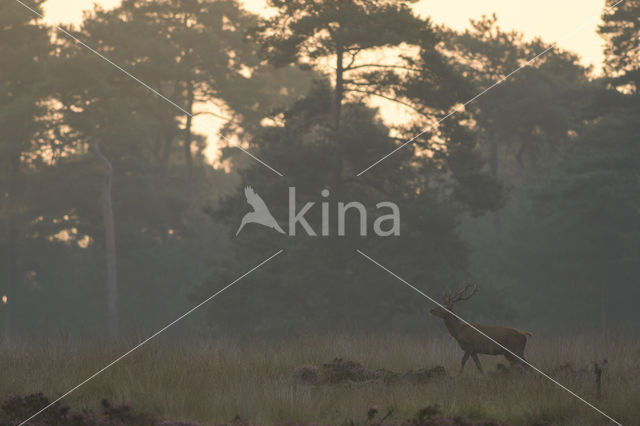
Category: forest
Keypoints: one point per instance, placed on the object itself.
(119, 213)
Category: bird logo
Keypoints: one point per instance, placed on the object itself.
(260, 213)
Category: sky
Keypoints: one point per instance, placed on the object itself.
(553, 20)
(570, 23)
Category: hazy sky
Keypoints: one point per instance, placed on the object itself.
(553, 20)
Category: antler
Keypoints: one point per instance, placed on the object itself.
(464, 294)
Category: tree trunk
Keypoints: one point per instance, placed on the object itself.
(187, 131)
(168, 135)
(338, 92)
(493, 165)
(603, 309)
(113, 315)
(520, 156)
(167, 145)
(12, 284)
(12, 252)
(493, 156)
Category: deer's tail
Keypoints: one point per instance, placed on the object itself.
(524, 333)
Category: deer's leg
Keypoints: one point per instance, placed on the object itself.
(512, 359)
(464, 361)
(521, 355)
(477, 361)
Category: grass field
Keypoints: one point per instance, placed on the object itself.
(215, 382)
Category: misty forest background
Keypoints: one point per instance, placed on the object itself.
(533, 191)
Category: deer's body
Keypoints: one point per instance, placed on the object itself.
(472, 341)
(511, 341)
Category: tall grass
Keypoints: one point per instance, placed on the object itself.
(217, 381)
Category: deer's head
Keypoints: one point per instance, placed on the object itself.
(451, 299)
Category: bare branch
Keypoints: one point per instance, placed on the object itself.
(382, 66)
(353, 58)
(222, 117)
(389, 98)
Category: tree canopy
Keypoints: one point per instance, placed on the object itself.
(531, 190)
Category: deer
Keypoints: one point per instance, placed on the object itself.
(474, 343)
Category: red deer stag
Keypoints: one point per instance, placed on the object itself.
(474, 343)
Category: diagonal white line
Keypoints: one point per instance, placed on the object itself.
(461, 107)
(524, 361)
(151, 89)
(163, 329)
